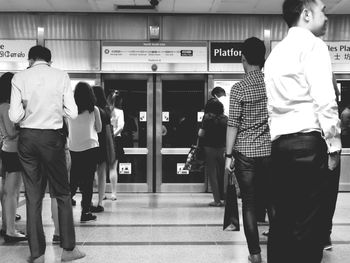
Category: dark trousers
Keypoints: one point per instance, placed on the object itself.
(82, 175)
(247, 170)
(37, 150)
(300, 176)
(215, 169)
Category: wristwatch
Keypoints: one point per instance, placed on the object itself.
(230, 155)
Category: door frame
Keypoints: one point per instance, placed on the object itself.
(159, 151)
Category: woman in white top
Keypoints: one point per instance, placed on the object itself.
(83, 146)
(12, 167)
(117, 120)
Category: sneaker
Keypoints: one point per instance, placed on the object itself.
(113, 197)
(40, 259)
(18, 217)
(328, 244)
(216, 204)
(13, 239)
(72, 255)
(97, 209)
(86, 217)
(104, 198)
(56, 239)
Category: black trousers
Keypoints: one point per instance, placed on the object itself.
(82, 175)
(300, 177)
(247, 170)
(38, 150)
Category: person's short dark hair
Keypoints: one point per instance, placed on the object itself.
(39, 53)
(218, 92)
(292, 10)
(100, 96)
(84, 97)
(5, 87)
(214, 106)
(115, 99)
(254, 51)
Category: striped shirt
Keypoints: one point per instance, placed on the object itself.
(248, 112)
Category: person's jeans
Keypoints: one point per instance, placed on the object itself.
(42, 155)
(247, 169)
(300, 176)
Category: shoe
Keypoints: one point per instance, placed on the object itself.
(255, 258)
(230, 227)
(97, 209)
(40, 259)
(104, 198)
(18, 217)
(328, 244)
(2, 232)
(14, 239)
(113, 197)
(56, 239)
(74, 203)
(86, 217)
(265, 233)
(72, 255)
(216, 204)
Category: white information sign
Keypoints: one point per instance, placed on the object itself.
(154, 53)
(143, 116)
(180, 169)
(15, 50)
(165, 116)
(200, 115)
(125, 168)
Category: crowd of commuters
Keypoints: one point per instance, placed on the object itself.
(279, 135)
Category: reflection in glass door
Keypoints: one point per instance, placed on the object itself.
(135, 169)
(180, 101)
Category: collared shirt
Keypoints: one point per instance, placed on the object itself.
(40, 97)
(248, 113)
(301, 97)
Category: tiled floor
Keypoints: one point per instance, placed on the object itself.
(165, 228)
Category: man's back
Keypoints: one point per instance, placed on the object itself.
(46, 94)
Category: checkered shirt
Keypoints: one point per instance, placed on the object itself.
(248, 112)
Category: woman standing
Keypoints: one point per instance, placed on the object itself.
(10, 161)
(213, 133)
(83, 146)
(105, 115)
(117, 120)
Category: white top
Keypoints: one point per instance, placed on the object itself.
(301, 96)
(40, 97)
(7, 130)
(117, 121)
(83, 132)
(225, 100)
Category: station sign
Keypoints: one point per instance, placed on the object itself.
(154, 56)
(14, 53)
(226, 52)
(339, 52)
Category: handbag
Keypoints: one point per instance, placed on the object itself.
(195, 159)
(231, 216)
(110, 144)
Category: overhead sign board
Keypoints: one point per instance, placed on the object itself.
(225, 52)
(143, 56)
(14, 53)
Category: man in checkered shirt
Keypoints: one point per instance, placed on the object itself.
(248, 143)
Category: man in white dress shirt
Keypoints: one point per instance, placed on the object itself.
(41, 96)
(305, 133)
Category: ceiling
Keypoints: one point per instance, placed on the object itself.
(165, 6)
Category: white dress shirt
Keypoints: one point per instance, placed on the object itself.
(40, 97)
(301, 97)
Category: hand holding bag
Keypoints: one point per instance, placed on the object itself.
(195, 159)
(231, 216)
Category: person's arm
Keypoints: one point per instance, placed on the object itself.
(318, 72)
(69, 107)
(9, 127)
(98, 122)
(16, 111)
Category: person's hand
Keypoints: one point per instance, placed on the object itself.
(229, 165)
(333, 160)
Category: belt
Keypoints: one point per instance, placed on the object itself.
(298, 134)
